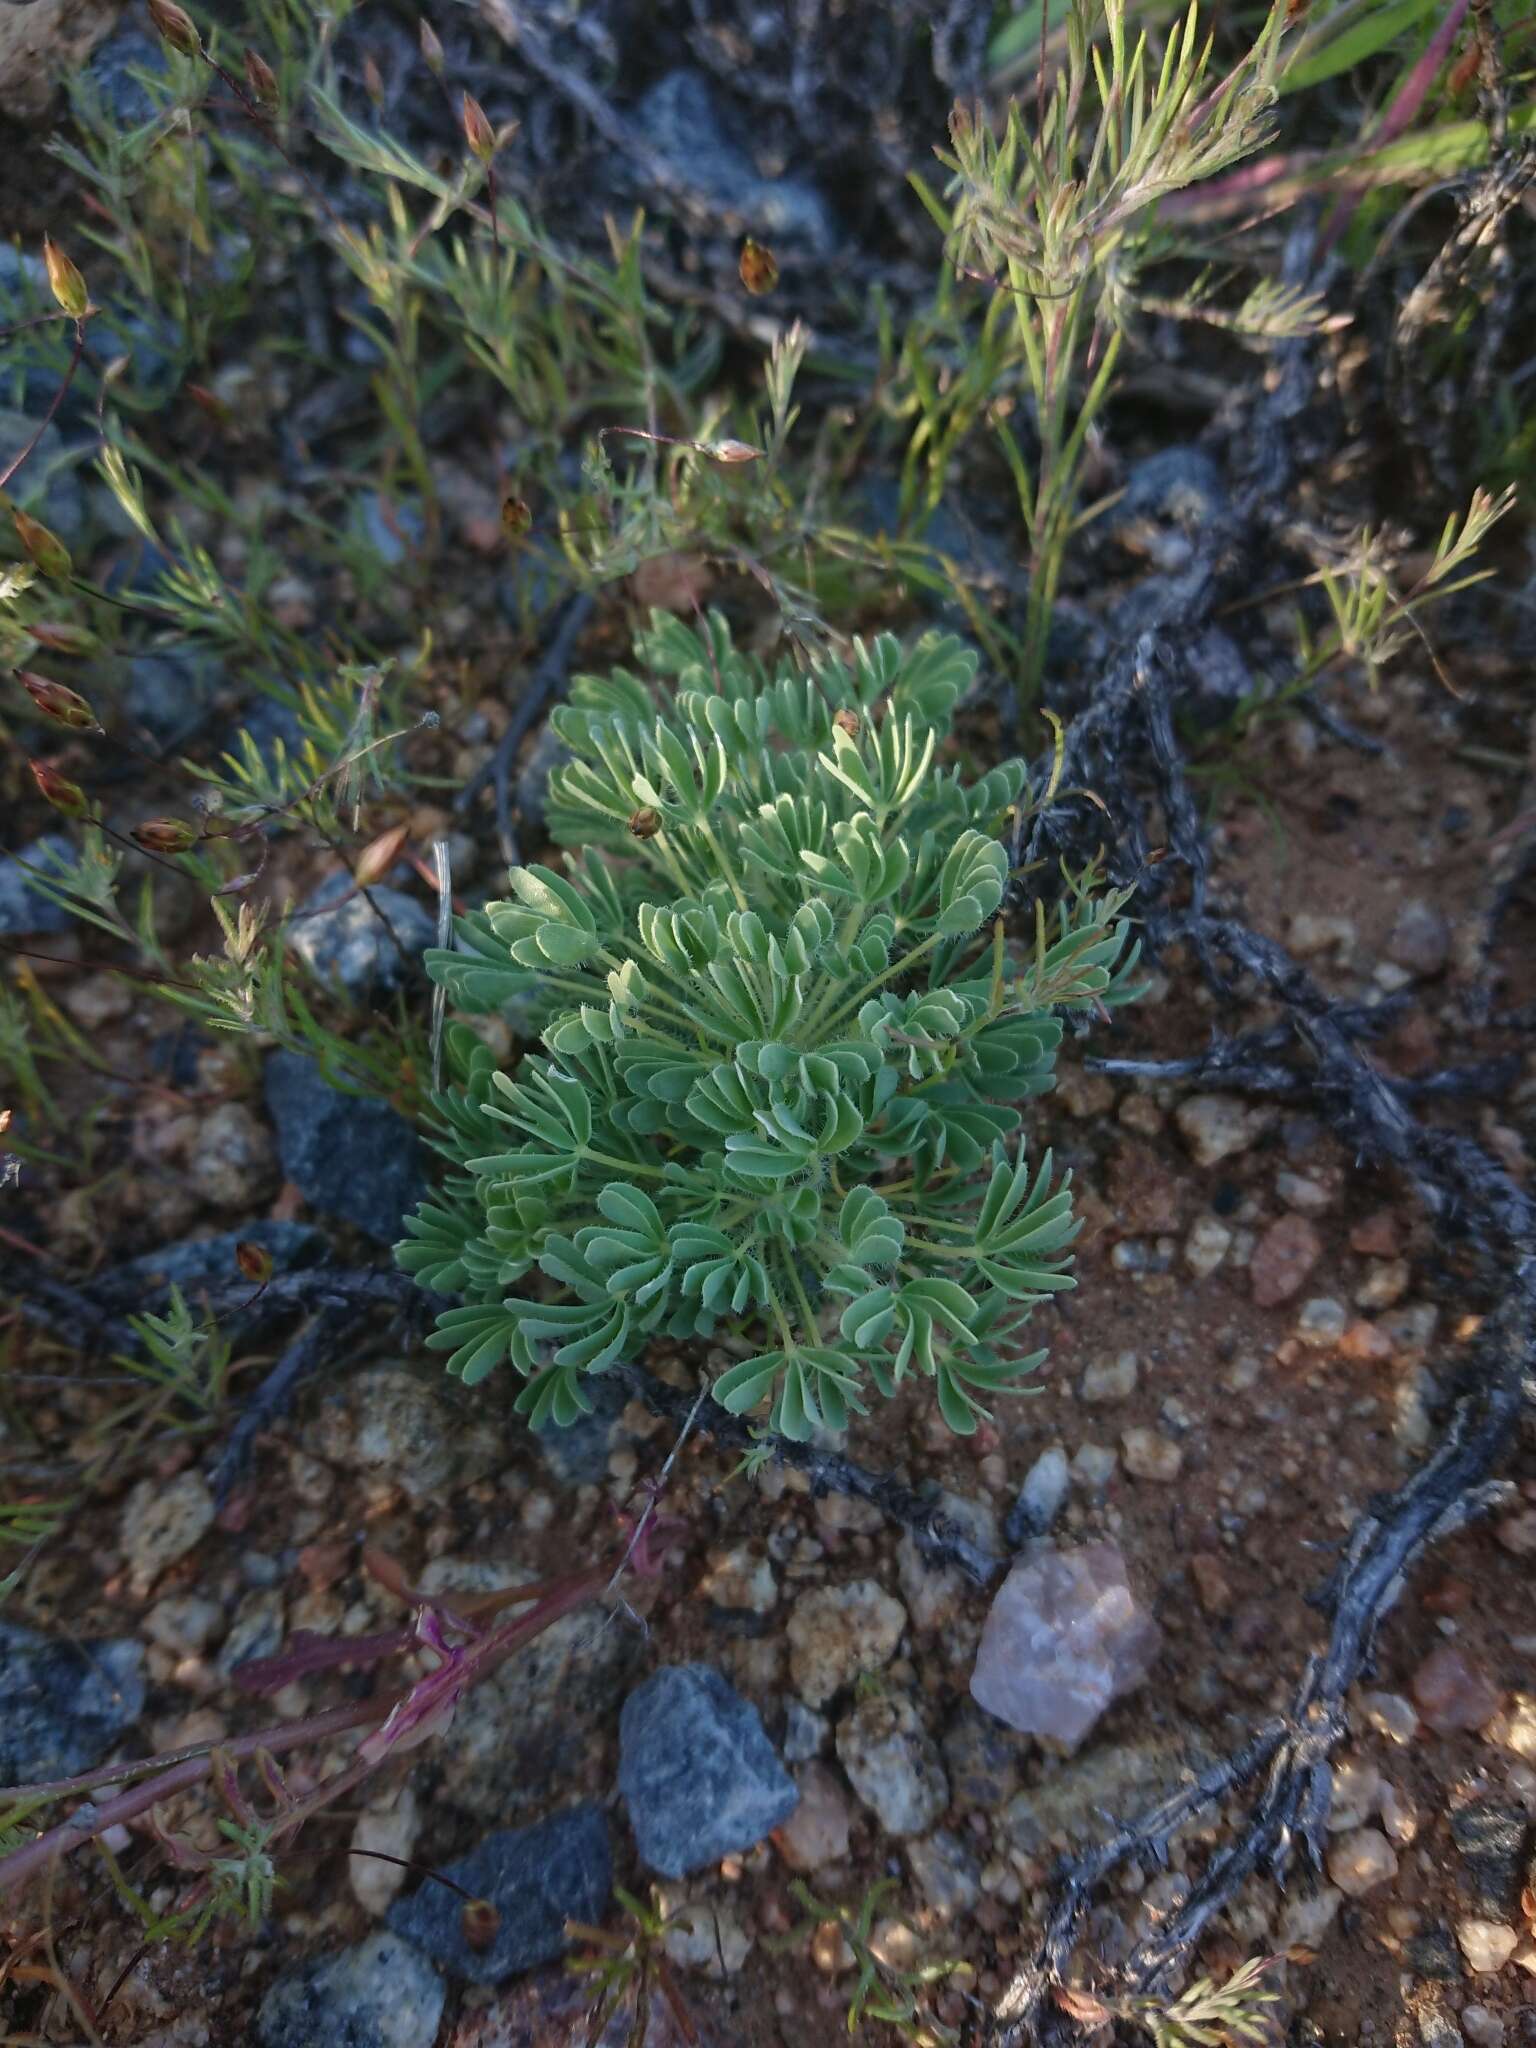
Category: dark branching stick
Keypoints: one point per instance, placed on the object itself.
(548, 676)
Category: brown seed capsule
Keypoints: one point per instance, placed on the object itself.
(176, 26)
(848, 722)
(478, 132)
(46, 550)
(431, 49)
(164, 835)
(254, 1261)
(379, 856)
(65, 281)
(64, 706)
(62, 638)
(732, 451)
(217, 409)
(759, 268)
(645, 823)
(373, 81)
(516, 519)
(261, 79)
(480, 1922)
(58, 790)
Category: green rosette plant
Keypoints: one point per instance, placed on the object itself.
(785, 1047)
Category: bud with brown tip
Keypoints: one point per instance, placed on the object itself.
(164, 835)
(65, 281)
(56, 789)
(176, 26)
(379, 856)
(63, 637)
(44, 547)
(478, 132)
(645, 823)
(847, 721)
(261, 80)
(254, 1261)
(516, 519)
(732, 451)
(64, 706)
(758, 268)
(431, 49)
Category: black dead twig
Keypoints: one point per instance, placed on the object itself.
(939, 1538)
(548, 675)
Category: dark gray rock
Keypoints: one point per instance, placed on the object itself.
(64, 1703)
(682, 118)
(156, 347)
(548, 753)
(168, 696)
(1490, 1837)
(579, 1454)
(24, 909)
(109, 75)
(272, 724)
(378, 1994)
(193, 1263)
(1041, 1498)
(537, 1878)
(1434, 1954)
(348, 1156)
(1178, 486)
(1420, 939)
(350, 944)
(49, 486)
(699, 1776)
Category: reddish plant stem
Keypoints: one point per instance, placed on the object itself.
(58, 399)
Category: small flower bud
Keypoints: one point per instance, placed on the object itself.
(759, 268)
(209, 402)
(65, 281)
(848, 722)
(45, 548)
(478, 132)
(379, 856)
(480, 1922)
(645, 823)
(373, 81)
(56, 789)
(164, 835)
(261, 79)
(176, 26)
(61, 637)
(254, 1261)
(732, 451)
(516, 519)
(64, 706)
(431, 49)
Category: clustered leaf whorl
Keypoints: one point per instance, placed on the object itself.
(783, 1048)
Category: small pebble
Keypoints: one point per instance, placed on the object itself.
(1149, 1455)
(1360, 1861)
(1486, 1944)
(1453, 1692)
(1108, 1380)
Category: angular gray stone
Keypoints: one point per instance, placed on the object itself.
(700, 1778)
(168, 696)
(24, 909)
(49, 485)
(1490, 1836)
(378, 1994)
(1063, 1638)
(682, 118)
(893, 1763)
(1041, 1498)
(63, 1704)
(338, 934)
(348, 1156)
(537, 1878)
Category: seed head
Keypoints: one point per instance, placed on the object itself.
(64, 706)
(481, 1923)
(65, 796)
(645, 823)
(759, 268)
(732, 451)
(254, 1261)
(44, 547)
(164, 835)
(176, 26)
(516, 519)
(60, 637)
(847, 721)
(379, 856)
(478, 132)
(65, 281)
(262, 80)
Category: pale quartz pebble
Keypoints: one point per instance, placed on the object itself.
(1149, 1455)
(1525, 1956)
(741, 1581)
(1356, 1787)
(1359, 1862)
(1483, 2029)
(895, 1944)
(817, 1831)
(837, 1633)
(390, 1829)
(1486, 1944)
(1207, 1244)
(1391, 1715)
(1063, 1638)
(1111, 1379)
(893, 1764)
(1514, 1726)
(1399, 1815)
(702, 1935)
(1307, 1917)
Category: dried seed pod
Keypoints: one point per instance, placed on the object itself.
(262, 80)
(254, 1261)
(65, 281)
(64, 706)
(164, 835)
(61, 637)
(478, 132)
(645, 823)
(732, 451)
(480, 1922)
(379, 856)
(758, 268)
(373, 81)
(45, 548)
(56, 789)
(516, 519)
(848, 722)
(176, 26)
